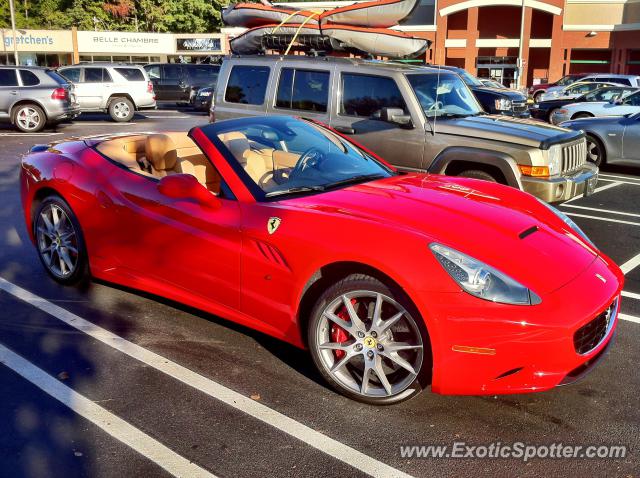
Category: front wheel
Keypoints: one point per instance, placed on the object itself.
(366, 341)
(121, 110)
(59, 241)
(595, 151)
(478, 174)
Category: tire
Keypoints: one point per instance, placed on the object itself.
(538, 96)
(121, 109)
(478, 174)
(581, 115)
(343, 350)
(596, 153)
(29, 118)
(60, 243)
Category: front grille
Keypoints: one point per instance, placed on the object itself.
(590, 335)
(519, 106)
(574, 156)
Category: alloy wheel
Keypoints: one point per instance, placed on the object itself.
(57, 241)
(28, 118)
(121, 110)
(369, 344)
(594, 153)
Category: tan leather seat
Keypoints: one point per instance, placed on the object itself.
(127, 150)
(161, 152)
(258, 166)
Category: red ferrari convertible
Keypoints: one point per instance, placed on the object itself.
(393, 281)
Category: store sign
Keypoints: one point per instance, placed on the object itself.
(125, 42)
(38, 40)
(199, 44)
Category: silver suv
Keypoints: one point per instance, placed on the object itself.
(117, 89)
(31, 98)
(417, 118)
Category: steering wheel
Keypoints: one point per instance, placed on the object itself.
(437, 105)
(310, 158)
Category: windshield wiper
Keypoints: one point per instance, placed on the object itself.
(354, 180)
(296, 189)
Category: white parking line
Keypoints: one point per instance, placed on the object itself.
(619, 181)
(317, 440)
(167, 116)
(620, 213)
(629, 318)
(630, 264)
(602, 218)
(631, 295)
(26, 135)
(104, 123)
(150, 448)
(628, 178)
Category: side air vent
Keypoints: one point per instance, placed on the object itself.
(270, 253)
(528, 232)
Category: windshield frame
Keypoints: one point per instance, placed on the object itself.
(472, 96)
(211, 132)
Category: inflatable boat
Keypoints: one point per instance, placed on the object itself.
(259, 39)
(251, 15)
(376, 14)
(377, 41)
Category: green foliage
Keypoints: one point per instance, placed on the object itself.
(179, 16)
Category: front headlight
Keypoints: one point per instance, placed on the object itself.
(503, 104)
(204, 93)
(481, 280)
(568, 221)
(555, 160)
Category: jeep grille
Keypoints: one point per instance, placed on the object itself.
(574, 155)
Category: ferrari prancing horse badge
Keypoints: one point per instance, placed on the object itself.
(272, 224)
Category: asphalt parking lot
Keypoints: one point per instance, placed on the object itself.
(132, 385)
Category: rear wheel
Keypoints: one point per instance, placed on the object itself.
(595, 151)
(59, 241)
(367, 343)
(478, 174)
(29, 118)
(121, 110)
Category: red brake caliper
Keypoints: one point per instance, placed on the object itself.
(338, 334)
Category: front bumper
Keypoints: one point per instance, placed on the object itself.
(524, 348)
(202, 104)
(557, 118)
(537, 113)
(562, 188)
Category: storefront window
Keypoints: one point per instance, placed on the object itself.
(423, 14)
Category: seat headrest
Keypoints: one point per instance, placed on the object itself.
(237, 143)
(160, 151)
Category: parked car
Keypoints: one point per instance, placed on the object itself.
(179, 82)
(624, 105)
(575, 90)
(114, 88)
(536, 91)
(393, 282)
(611, 140)
(32, 97)
(202, 100)
(418, 118)
(500, 101)
(622, 80)
(544, 109)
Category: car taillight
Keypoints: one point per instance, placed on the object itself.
(59, 94)
(149, 87)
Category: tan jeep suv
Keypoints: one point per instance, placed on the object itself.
(418, 118)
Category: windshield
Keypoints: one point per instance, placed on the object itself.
(604, 94)
(283, 155)
(444, 94)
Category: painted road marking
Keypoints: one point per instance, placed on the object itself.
(619, 181)
(168, 117)
(631, 295)
(620, 213)
(602, 218)
(628, 178)
(630, 264)
(629, 318)
(105, 123)
(317, 440)
(115, 426)
(26, 135)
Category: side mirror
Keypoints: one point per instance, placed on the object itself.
(396, 116)
(186, 187)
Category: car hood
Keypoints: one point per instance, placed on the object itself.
(478, 218)
(588, 123)
(510, 94)
(507, 129)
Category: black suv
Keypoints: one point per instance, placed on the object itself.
(494, 100)
(179, 82)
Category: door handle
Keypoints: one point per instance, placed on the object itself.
(14, 92)
(345, 129)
